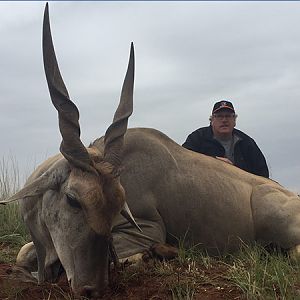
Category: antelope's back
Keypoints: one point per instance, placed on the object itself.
(192, 195)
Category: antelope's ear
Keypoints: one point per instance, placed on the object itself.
(49, 180)
(37, 187)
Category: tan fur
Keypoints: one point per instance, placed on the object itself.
(101, 197)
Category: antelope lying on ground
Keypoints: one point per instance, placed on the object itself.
(72, 203)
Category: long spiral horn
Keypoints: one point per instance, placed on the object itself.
(114, 136)
(71, 146)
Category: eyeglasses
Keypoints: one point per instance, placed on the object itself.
(223, 116)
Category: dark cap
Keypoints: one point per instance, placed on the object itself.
(223, 104)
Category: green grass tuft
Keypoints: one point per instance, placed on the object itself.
(264, 275)
(12, 229)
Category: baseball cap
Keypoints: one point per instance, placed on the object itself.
(223, 104)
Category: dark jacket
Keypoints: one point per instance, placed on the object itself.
(247, 155)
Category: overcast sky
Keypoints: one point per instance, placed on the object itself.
(188, 56)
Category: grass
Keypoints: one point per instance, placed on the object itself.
(264, 275)
(185, 292)
(12, 229)
(13, 234)
(9, 177)
(256, 272)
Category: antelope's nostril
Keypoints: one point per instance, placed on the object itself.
(89, 292)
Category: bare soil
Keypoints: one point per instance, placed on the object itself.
(147, 281)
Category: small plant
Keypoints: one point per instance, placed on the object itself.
(182, 292)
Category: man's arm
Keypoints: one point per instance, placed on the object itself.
(259, 164)
(192, 142)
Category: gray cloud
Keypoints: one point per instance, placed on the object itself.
(188, 55)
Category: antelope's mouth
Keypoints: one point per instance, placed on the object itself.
(88, 291)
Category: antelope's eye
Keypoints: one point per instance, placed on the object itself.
(72, 201)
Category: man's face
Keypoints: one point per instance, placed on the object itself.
(223, 122)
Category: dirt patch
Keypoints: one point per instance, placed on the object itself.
(152, 281)
(13, 288)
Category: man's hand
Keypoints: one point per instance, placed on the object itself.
(224, 159)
